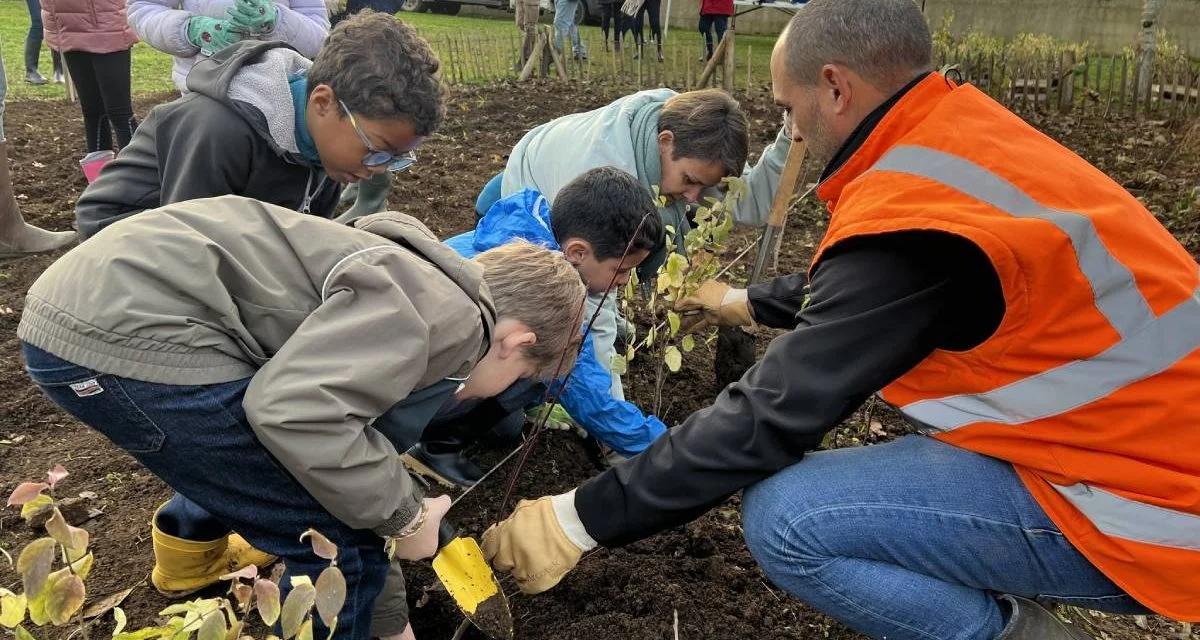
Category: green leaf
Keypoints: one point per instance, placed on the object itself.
(296, 607)
(33, 506)
(34, 565)
(119, 616)
(22, 634)
(63, 598)
(182, 607)
(213, 627)
(331, 594)
(320, 544)
(650, 336)
(73, 539)
(673, 321)
(673, 358)
(619, 365)
(689, 343)
(147, 633)
(12, 610)
(267, 594)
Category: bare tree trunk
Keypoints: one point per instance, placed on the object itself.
(1145, 53)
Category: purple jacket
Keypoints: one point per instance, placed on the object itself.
(95, 26)
(303, 24)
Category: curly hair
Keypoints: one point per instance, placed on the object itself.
(382, 70)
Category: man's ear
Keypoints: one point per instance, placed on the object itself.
(322, 99)
(576, 250)
(837, 87)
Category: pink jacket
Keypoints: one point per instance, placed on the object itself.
(95, 26)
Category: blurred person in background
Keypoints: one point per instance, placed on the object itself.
(95, 41)
(33, 47)
(18, 238)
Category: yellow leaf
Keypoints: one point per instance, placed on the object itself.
(34, 565)
(689, 343)
(673, 358)
(673, 321)
(305, 632)
(213, 627)
(620, 366)
(35, 505)
(331, 594)
(12, 610)
(297, 605)
(64, 598)
(119, 616)
(82, 566)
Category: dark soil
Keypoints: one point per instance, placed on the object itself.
(701, 572)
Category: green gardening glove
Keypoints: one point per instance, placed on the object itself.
(211, 34)
(253, 17)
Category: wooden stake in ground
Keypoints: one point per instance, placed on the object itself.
(559, 67)
(717, 57)
(535, 58)
(729, 72)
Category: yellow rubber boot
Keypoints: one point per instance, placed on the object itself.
(183, 567)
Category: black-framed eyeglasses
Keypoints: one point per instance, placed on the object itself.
(376, 157)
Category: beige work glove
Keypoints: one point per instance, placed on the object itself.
(716, 304)
(539, 543)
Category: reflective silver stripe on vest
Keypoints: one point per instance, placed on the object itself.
(1117, 296)
(1148, 346)
(1154, 349)
(1121, 517)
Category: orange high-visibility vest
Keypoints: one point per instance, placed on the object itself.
(1090, 386)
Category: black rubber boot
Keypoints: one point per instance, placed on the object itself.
(439, 455)
(32, 49)
(1029, 620)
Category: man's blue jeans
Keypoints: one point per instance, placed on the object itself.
(564, 26)
(197, 440)
(912, 539)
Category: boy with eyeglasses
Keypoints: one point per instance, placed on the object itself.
(262, 121)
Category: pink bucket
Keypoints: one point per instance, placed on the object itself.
(93, 162)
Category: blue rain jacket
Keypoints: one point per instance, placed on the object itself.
(589, 394)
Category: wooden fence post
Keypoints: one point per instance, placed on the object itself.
(730, 70)
(1066, 82)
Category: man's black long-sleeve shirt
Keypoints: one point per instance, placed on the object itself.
(878, 306)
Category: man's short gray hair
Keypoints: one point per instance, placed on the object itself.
(887, 42)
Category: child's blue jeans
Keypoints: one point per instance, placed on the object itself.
(913, 538)
(197, 440)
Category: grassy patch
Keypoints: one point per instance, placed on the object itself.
(151, 69)
(481, 48)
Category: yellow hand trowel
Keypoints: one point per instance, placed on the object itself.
(459, 564)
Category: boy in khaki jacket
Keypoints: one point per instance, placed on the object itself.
(241, 351)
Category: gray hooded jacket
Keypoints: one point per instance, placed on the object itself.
(234, 133)
(334, 324)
